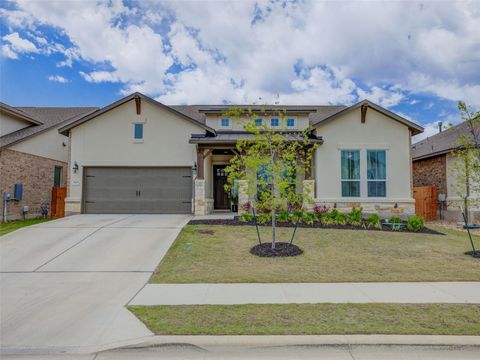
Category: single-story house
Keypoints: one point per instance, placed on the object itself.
(137, 155)
(34, 155)
(433, 165)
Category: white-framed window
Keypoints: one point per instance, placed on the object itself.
(138, 131)
(350, 173)
(274, 122)
(225, 122)
(291, 123)
(377, 173)
(259, 122)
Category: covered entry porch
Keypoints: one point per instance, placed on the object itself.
(209, 190)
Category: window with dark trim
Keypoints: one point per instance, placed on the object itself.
(376, 173)
(350, 173)
(57, 176)
(138, 131)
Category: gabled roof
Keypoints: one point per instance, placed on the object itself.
(416, 129)
(440, 143)
(16, 112)
(45, 118)
(64, 130)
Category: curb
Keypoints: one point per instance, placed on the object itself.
(246, 341)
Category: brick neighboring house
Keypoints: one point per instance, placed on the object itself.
(34, 154)
(432, 165)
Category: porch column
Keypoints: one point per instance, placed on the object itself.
(242, 195)
(200, 164)
(308, 194)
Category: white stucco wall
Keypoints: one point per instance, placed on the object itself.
(9, 124)
(238, 124)
(48, 144)
(377, 133)
(107, 140)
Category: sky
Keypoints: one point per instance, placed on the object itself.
(417, 59)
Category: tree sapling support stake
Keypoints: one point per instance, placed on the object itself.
(468, 231)
(256, 225)
(295, 230)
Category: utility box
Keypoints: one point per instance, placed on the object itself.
(18, 192)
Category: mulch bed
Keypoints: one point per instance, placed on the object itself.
(237, 222)
(475, 254)
(282, 249)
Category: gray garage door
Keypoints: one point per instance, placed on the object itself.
(130, 190)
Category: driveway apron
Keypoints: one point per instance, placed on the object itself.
(64, 284)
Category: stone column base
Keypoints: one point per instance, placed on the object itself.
(72, 206)
(201, 207)
(308, 194)
(243, 196)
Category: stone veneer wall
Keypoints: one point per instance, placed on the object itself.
(36, 173)
(431, 171)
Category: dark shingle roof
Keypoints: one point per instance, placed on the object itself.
(317, 112)
(440, 143)
(48, 117)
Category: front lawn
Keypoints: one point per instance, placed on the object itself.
(220, 254)
(10, 226)
(305, 319)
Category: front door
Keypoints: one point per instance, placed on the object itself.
(221, 197)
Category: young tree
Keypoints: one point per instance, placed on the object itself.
(275, 161)
(466, 166)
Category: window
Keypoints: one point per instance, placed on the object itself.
(274, 122)
(258, 122)
(138, 131)
(350, 169)
(290, 122)
(225, 122)
(57, 176)
(376, 173)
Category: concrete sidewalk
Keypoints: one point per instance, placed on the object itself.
(285, 293)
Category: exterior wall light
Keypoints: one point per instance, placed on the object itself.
(75, 167)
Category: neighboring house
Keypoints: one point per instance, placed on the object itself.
(140, 156)
(33, 154)
(433, 161)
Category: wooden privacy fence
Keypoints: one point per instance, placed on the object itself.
(426, 202)
(57, 209)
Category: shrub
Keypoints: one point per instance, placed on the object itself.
(395, 220)
(264, 218)
(355, 216)
(246, 217)
(339, 218)
(415, 223)
(297, 214)
(309, 217)
(326, 218)
(373, 221)
(246, 207)
(283, 216)
(319, 210)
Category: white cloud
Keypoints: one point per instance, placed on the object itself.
(17, 45)
(238, 51)
(58, 78)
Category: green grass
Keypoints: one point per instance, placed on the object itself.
(10, 226)
(303, 319)
(329, 256)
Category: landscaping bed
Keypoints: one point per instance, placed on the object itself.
(236, 221)
(311, 319)
(221, 254)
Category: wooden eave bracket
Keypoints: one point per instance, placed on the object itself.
(138, 104)
(364, 113)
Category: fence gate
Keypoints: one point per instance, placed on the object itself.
(426, 202)
(57, 209)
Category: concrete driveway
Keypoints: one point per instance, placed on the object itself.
(64, 284)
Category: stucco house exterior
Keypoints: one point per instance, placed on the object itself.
(433, 163)
(33, 154)
(140, 156)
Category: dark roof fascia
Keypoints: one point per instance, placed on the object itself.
(43, 130)
(64, 130)
(438, 153)
(213, 140)
(416, 129)
(255, 110)
(10, 110)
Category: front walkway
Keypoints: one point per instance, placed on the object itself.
(284, 293)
